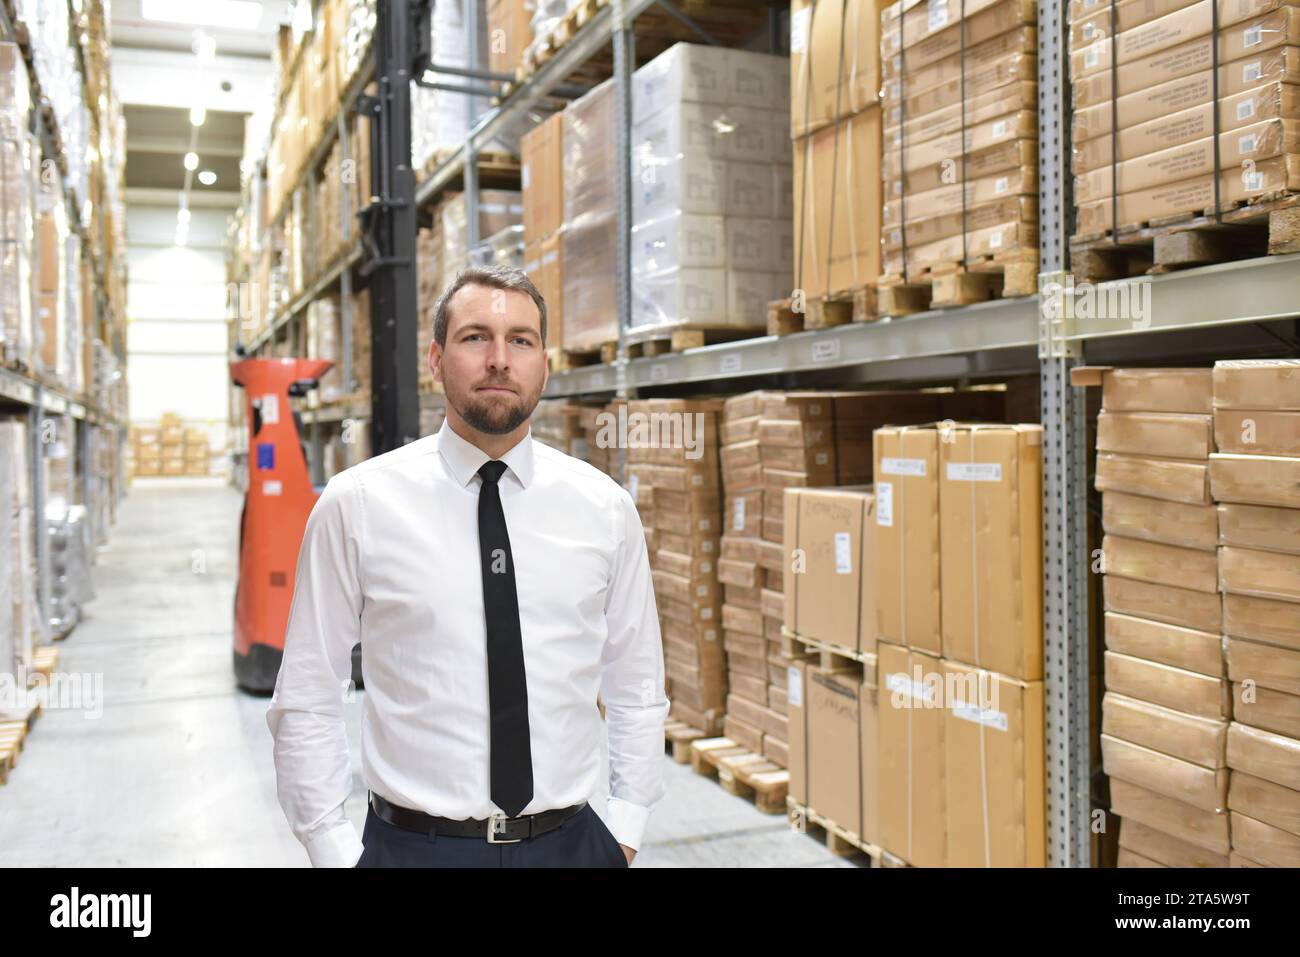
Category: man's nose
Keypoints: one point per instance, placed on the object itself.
(499, 355)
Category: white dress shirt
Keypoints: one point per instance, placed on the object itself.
(390, 558)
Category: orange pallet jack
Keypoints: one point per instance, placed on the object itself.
(280, 496)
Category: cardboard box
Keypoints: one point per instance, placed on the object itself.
(1250, 571)
(1171, 687)
(1154, 390)
(1185, 648)
(1165, 849)
(1204, 788)
(925, 231)
(1238, 82)
(1161, 434)
(1236, 184)
(908, 602)
(837, 206)
(1014, 125)
(987, 65)
(1262, 619)
(1255, 479)
(1267, 709)
(1093, 22)
(834, 592)
(1129, 859)
(912, 723)
(935, 32)
(1207, 829)
(1155, 520)
(1257, 384)
(1202, 741)
(1264, 754)
(1240, 860)
(1265, 801)
(834, 61)
(869, 743)
(1162, 564)
(1175, 606)
(1173, 480)
(510, 32)
(745, 735)
(1271, 846)
(990, 500)
(1257, 432)
(947, 201)
(996, 798)
(776, 751)
(743, 514)
(833, 755)
(1003, 158)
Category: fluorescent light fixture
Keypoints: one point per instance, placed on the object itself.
(182, 216)
(226, 14)
(207, 177)
(197, 115)
(205, 48)
(191, 160)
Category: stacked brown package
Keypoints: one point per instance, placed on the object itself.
(599, 425)
(683, 488)
(1167, 705)
(1254, 477)
(542, 175)
(960, 135)
(557, 422)
(1145, 116)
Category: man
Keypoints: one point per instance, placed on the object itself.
(496, 586)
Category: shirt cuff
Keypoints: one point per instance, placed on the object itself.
(337, 846)
(626, 821)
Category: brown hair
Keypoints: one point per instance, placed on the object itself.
(494, 277)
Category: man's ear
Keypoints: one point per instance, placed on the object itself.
(435, 360)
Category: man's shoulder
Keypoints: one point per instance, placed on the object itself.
(388, 462)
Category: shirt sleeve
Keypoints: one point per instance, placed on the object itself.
(312, 766)
(632, 685)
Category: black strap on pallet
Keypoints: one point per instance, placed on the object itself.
(1214, 102)
(1114, 124)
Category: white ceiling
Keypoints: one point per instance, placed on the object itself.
(130, 29)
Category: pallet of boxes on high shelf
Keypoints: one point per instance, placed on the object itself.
(1185, 133)
(836, 191)
(960, 152)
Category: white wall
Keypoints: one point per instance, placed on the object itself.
(177, 358)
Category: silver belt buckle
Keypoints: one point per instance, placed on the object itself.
(497, 825)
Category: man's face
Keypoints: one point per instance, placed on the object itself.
(493, 367)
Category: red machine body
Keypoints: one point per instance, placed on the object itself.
(279, 499)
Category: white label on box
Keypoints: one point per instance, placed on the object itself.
(822, 458)
(730, 363)
(1252, 36)
(1247, 144)
(706, 546)
(825, 350)
(738, 515)
(633, 484)
(706, 614)
(710, 635)
(936, 15)
(1000, 184)
(843, 554)
(1090, 59)
(705, 524)
(976, 715)
(697, 479)
(903, 467)
(658, 372)
(1089, 30)
(1250, 72)
(885, 504)
(999, 128)
(794, 687)
(702, 591)
(523, 176)
(1245, 109)
(799, 23)
(271, 487)
(995, 240)
(270, 408)
(706, 567)
(974, 472)
(1253, 181)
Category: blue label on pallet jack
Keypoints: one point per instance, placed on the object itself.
(266, 455)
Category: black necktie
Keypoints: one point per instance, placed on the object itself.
(511, 752)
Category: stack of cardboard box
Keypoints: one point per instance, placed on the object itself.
(146, 450)
(588, 241)
(171, 435)
(961, 134)
(756, 713)
(1255, 476)
(557, 422)
(958, 598)
(20, 622)
(510, 29)
(542, 175)
(836, 124)
(1167, 705)
(673, 451)
(1145, 116)
(196, 451)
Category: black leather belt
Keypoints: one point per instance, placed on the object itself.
(495, 830)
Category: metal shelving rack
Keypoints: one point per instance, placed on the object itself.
(42, 399)
(1258, 299)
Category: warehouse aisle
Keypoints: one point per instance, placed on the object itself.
(176, 768)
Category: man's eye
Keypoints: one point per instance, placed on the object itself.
(523, 341)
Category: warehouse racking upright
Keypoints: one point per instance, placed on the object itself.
(1256, 301)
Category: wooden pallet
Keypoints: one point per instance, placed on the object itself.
(566, 360)
(742, 772)
(13, 736)
(1004, 275)
(1267, 226)
(840, 841)
(45, 661)
(830, 656)
(678, 737)
(860, 304)
(679, 338)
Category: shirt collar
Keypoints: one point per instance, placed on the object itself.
(465, 458)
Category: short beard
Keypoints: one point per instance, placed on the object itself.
(483, 418)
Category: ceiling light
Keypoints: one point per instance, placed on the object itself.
(197, 115)
(182, 216)
(191, 160)
(228, 14)
(205, 48)
(207, 177)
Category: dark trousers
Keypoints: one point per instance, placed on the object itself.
(581, 841)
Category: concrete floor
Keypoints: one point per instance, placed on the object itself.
(177, 769)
